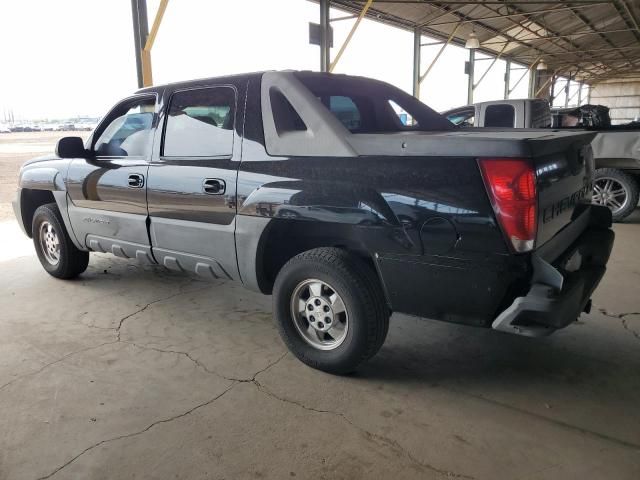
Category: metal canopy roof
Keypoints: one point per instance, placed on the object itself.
(590, 40)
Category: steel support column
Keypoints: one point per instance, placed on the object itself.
(140, 34)
(532, 81)
(325, 49)
(579, 93)
(472, 62)
(417, 47)
(507, 79)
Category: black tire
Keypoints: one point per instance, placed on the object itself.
(71, 262)
(358, 286)
(630, 185)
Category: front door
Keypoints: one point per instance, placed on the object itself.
(192, 182)
(108, 205)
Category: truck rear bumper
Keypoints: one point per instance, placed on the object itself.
(562, 291)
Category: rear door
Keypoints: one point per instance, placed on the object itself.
(192, 182)
(108, 206)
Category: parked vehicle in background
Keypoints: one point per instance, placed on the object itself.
(616, 149)
(583, 116)
(4, 129)
(519, 113)
(24, 128)
(83, 127)
(311, 187)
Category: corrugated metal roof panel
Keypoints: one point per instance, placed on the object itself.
(598, 39)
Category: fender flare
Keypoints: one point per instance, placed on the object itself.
(44, 179)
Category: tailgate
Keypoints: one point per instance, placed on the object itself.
(564, 171)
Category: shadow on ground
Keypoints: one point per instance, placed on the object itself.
(137, 371)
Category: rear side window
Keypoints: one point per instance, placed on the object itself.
(200, 123)
(345, 110)
(405, 118)
(500, 116)
(285, 117)
(128, 131)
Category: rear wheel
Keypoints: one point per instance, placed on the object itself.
(57, 253)
(330, 309)
(617, 190)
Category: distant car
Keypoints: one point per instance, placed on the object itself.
(4, 129)
(513, 113)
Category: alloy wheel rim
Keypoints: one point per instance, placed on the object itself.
(49, 243)
(611, 193)
(319, 314)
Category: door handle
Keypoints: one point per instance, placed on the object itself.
(136, 180)
(213, 186)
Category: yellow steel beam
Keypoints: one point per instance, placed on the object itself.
(495, 59)
(433, 62)
(147, 75)
(527, 70)
(549, 80)
(348, 39)
(156, 25)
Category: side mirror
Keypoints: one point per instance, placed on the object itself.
(71, 147)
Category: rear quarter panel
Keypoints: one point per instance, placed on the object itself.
(617, 149)
(426, 222)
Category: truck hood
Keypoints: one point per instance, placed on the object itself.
(40, 159)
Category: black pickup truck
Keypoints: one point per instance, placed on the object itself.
(344, 197)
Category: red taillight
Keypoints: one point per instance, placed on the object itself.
(511, 184)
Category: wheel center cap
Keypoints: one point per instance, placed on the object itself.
(319, 313)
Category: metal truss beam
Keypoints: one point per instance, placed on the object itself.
(363, 12)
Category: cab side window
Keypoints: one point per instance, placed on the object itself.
(200, 123)
(129, 131)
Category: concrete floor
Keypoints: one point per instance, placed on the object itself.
(137, 372)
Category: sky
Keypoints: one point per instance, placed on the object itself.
(66, 58)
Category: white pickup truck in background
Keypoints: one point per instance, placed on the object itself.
(616, 149)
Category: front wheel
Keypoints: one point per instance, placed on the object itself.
(330, 309)
(57, 253)
(617, 190)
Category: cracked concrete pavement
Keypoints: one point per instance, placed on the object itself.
(132, 371)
